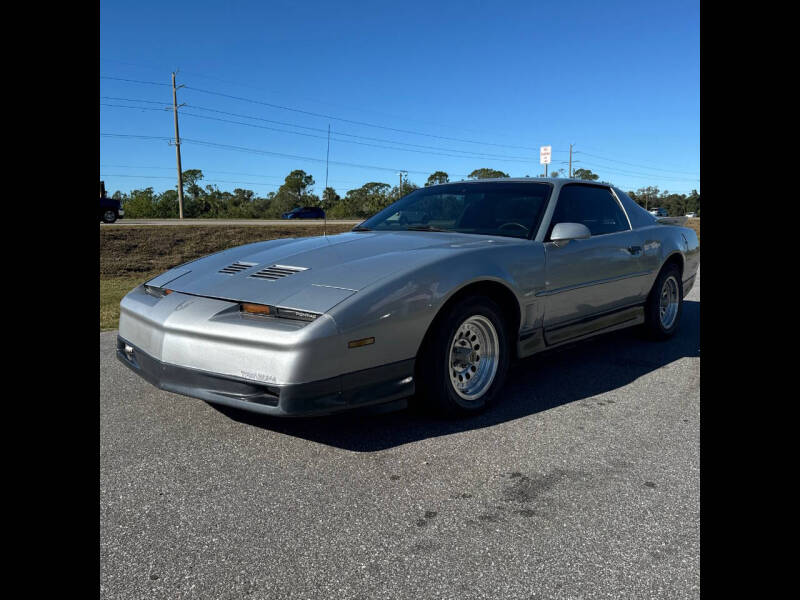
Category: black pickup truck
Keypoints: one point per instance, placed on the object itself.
(110, 209)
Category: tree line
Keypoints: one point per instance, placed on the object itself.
(297, 190)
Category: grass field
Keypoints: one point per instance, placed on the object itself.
(132, 255)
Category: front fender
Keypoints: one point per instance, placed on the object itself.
(398, 310)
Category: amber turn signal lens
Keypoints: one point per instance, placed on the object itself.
(361, 342)
(167, 292)
(255, 309)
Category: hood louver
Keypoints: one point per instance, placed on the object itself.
(237, 267)
(277, 272)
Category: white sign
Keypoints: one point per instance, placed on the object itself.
(544, 155)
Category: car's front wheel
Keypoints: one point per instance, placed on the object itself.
(109, 216)
(464, 363)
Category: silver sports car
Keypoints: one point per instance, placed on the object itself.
(435, 296)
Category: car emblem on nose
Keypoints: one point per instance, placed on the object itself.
(184, 304)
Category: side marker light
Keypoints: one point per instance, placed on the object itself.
(361, 342)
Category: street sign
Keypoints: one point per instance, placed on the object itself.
(544, 155)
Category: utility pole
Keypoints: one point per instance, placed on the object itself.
(177, 145)
(327, 156)
(325, 212)
(570, 161)
(400, 185)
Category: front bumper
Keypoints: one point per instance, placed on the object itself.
(378, 385)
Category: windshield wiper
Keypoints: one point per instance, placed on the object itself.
(424, 228)
(361, 228)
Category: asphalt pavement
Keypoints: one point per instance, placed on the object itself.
(583, 483)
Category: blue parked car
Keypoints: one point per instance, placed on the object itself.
(305, 212)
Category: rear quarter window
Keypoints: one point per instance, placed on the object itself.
(637, 214)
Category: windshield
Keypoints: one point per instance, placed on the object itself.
(498, 208)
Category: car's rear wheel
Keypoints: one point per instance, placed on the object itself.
(662, 312)
(463, 365)
(109, 216)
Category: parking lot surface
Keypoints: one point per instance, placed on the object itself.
(583, 483)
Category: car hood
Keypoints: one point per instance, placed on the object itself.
(329, 269)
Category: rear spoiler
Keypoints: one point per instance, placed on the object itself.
(672, 220)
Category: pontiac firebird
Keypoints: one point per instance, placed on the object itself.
(435, 295)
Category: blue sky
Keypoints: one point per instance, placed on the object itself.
(449, 86)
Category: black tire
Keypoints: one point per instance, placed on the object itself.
(654, 326)
(109, 216)
(434, 388)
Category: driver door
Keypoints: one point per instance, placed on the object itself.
(586, 279)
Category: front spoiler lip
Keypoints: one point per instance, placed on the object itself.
(378, 385)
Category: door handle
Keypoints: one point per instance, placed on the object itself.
(635, 250)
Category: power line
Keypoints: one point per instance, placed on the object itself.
(352, 121)
(467, 153)
(116, 166)
(633, 164)
(325, 116)
(134, 80)
(255, 151)
(338, 183)
(315, 100)
(106, 175)
(308, 158)
(133, 107)
(361, 137)
(142, 137)
(366, 124)
(132, 100)
(471, 155)
(644, 175)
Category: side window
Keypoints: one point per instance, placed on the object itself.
(593, 206)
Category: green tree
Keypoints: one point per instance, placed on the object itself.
(298, 181)
(330, 198)
(437, 177)
(293, 193)
(398, 192)
(140, 204)
(585, 174)
(262, 206)
(486, 173)
(364, 201)
(646, 197)
(166, 206)
(191, 178)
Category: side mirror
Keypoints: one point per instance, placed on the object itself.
(564, 232)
